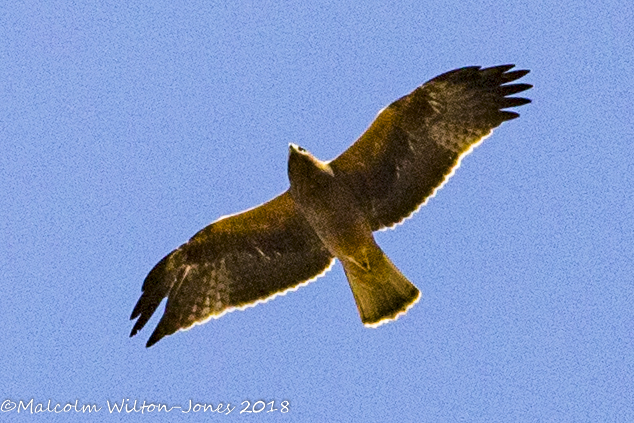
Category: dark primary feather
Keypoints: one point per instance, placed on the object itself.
(415, 143)
(234, 262)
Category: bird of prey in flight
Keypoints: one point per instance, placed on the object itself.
(331, 209)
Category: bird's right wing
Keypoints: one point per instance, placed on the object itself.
(415, 143)
(236, 262)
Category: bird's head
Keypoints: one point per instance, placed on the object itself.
(305, 169)
(296, 149)
(302, 160)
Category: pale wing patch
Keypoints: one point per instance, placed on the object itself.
(260, 301)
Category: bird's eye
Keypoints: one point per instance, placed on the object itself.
(301, 149)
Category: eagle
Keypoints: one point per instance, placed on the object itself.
(332, 209)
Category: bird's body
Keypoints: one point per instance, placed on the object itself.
(333, 211)
(329, 207)
(332, 208)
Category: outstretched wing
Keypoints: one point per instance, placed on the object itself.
(236, 262)
(416, 143)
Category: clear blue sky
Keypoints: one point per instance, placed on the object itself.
(126, 128)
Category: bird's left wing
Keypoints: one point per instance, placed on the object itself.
(235, 262)
(417, 142)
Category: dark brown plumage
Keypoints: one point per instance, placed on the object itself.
(331, 209)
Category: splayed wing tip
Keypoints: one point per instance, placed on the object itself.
(155, 337)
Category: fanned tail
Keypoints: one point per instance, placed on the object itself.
(381, 292)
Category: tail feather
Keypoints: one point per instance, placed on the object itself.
(381, 292)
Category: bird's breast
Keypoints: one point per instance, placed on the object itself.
(334, 214)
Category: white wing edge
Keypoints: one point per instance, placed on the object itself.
(442, 184)
(245, 210)
(263, 300)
